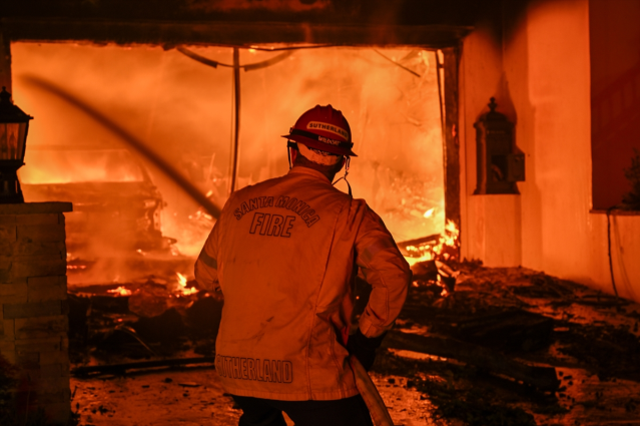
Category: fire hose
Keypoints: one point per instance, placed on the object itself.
(369, 392)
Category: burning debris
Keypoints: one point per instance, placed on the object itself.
(120, 291)
(502, 344)
(469, 337)
(184, 288)
(441, 247)
(152, 317)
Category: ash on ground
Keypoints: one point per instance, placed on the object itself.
(472, 346)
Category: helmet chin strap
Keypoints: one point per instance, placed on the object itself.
(290, 146)
(347, 161)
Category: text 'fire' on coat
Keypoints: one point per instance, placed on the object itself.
(284, 254)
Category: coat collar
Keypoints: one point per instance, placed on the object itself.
(302, 170)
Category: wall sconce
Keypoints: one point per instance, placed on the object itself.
(499, 165)
(14, 125)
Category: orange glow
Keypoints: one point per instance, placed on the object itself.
(74, 267)
(189, 125)
(448, 241)
(182, 281)
(120, 291)
(94, 165)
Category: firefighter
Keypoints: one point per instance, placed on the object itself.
(284, 254)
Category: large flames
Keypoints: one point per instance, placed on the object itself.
(386, 99)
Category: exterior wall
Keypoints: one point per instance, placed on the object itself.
(33, 306)
(490, 224)
(542, 68)
(615, 96)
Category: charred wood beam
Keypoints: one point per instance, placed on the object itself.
(543, 378)
(451, 141)
(459, 12)
(236, 118)
(170, 34)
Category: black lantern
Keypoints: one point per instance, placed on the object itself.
(14, 125)
(500, 164)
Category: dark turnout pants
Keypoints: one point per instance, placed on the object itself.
(268, 412)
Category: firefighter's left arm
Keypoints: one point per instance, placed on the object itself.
(206, 267)
(386, 270)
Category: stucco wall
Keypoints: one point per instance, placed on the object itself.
(615, 96)
(539, 72)
(490, 224)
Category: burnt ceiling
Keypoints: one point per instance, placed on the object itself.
(406, 12)
(436, 23)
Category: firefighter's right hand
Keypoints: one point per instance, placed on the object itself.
(364, 348)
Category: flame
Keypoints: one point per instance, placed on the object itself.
(449, 239)
(403, 185)
(451, 234)
(88, 165)
(189, 291)
(190, 234)
(120, 291)
(74, 267)
(182, 280)
(419, 254)
(201, 215)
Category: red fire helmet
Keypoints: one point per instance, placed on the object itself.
(323, 128)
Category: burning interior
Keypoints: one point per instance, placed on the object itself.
(148, 126)
(129, 216)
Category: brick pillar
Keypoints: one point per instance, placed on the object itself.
(33, 294)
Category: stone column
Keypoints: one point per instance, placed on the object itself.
(33, 301)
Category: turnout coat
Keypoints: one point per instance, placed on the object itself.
(284, 253)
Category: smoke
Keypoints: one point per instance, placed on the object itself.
(182, 110)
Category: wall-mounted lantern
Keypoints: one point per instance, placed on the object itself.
(499, 165)
(14, 125)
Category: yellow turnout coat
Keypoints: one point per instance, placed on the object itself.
(284, 254)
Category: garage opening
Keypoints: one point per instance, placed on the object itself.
(131, 219)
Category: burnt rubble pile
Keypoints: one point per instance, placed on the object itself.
(517, 311)
(497, 343)
(483, 316)
(512, 345)
(113, 324)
